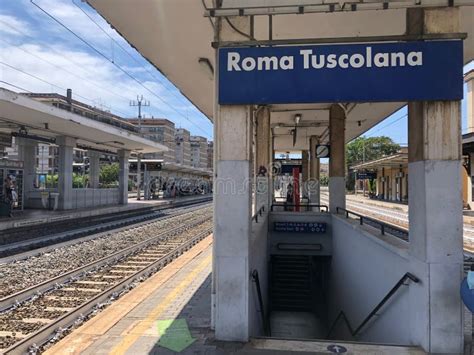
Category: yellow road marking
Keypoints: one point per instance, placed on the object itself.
(143, 325)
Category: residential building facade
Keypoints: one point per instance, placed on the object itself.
(199, 157)
(183, 147)
(159, 130)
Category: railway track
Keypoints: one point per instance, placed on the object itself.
(41, 314)
(78, 231)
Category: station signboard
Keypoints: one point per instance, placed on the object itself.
(374, 72)
(366, 175)
(154, 166)
(300, 227)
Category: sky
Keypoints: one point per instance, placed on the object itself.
(396, 125)
(38, 54)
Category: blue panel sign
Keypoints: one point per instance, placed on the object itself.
(299, 227)
(365, 176)
(376, 72)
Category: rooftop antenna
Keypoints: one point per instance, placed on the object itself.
(139, 103)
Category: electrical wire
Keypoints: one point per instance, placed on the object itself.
(37, 78)
(115, 64)
(78, 65)
(238, 31)
(388, 125)
(15, 86)
(161, 81)
(42, 80)
(69, 72)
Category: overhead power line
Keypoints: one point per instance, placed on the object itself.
(69, 72)
(15, 86)
(157, 78)
(115, 64)
(389, 124)
(78, 65)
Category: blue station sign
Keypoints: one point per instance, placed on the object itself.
(375, 72)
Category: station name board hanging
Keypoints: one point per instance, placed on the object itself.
(376, 72)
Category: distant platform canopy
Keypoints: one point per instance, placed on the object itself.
(25, 117)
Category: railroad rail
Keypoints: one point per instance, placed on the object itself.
(43, 313)
(51, 234)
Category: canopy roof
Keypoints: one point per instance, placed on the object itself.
(177, 38)
(18, 112)
(392, 161)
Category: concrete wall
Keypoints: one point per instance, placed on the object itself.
(364, 268)
(81, 198)
(258, 260)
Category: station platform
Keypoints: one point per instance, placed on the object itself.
(378, 203)
(141, 322)
(30, 217)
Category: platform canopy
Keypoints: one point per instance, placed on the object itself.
(177, 36)
(20, 114)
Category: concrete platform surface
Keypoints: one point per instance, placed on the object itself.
(41, 216)
(181, 292)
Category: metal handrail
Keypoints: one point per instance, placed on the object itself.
(384, 227)
(306, 205)
(266, 326)
(259, 213)
(376, 309)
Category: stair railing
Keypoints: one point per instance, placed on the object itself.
(389, 295)
(266, 326)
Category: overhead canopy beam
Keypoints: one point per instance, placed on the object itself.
(394, 38)
(331, 6)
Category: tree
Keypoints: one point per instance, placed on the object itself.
(364, 149)
(109, 174)
(324, 180)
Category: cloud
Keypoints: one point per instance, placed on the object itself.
(10, 24)
(49, 52)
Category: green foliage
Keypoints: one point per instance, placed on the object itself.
(372, 186)
(52, 181)
(366, 149)
(324, 180)
(109, 175)
(79, 181)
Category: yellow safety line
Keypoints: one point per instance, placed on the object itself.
(146, 323)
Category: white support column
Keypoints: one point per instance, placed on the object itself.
(314, 186)
(232, 200)
(27, 154)
(123, 176)
(469, 80)
(139, 176)
(66, 159)
(94, 168)
(337, 181)
(232, 207)
(435, 207)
